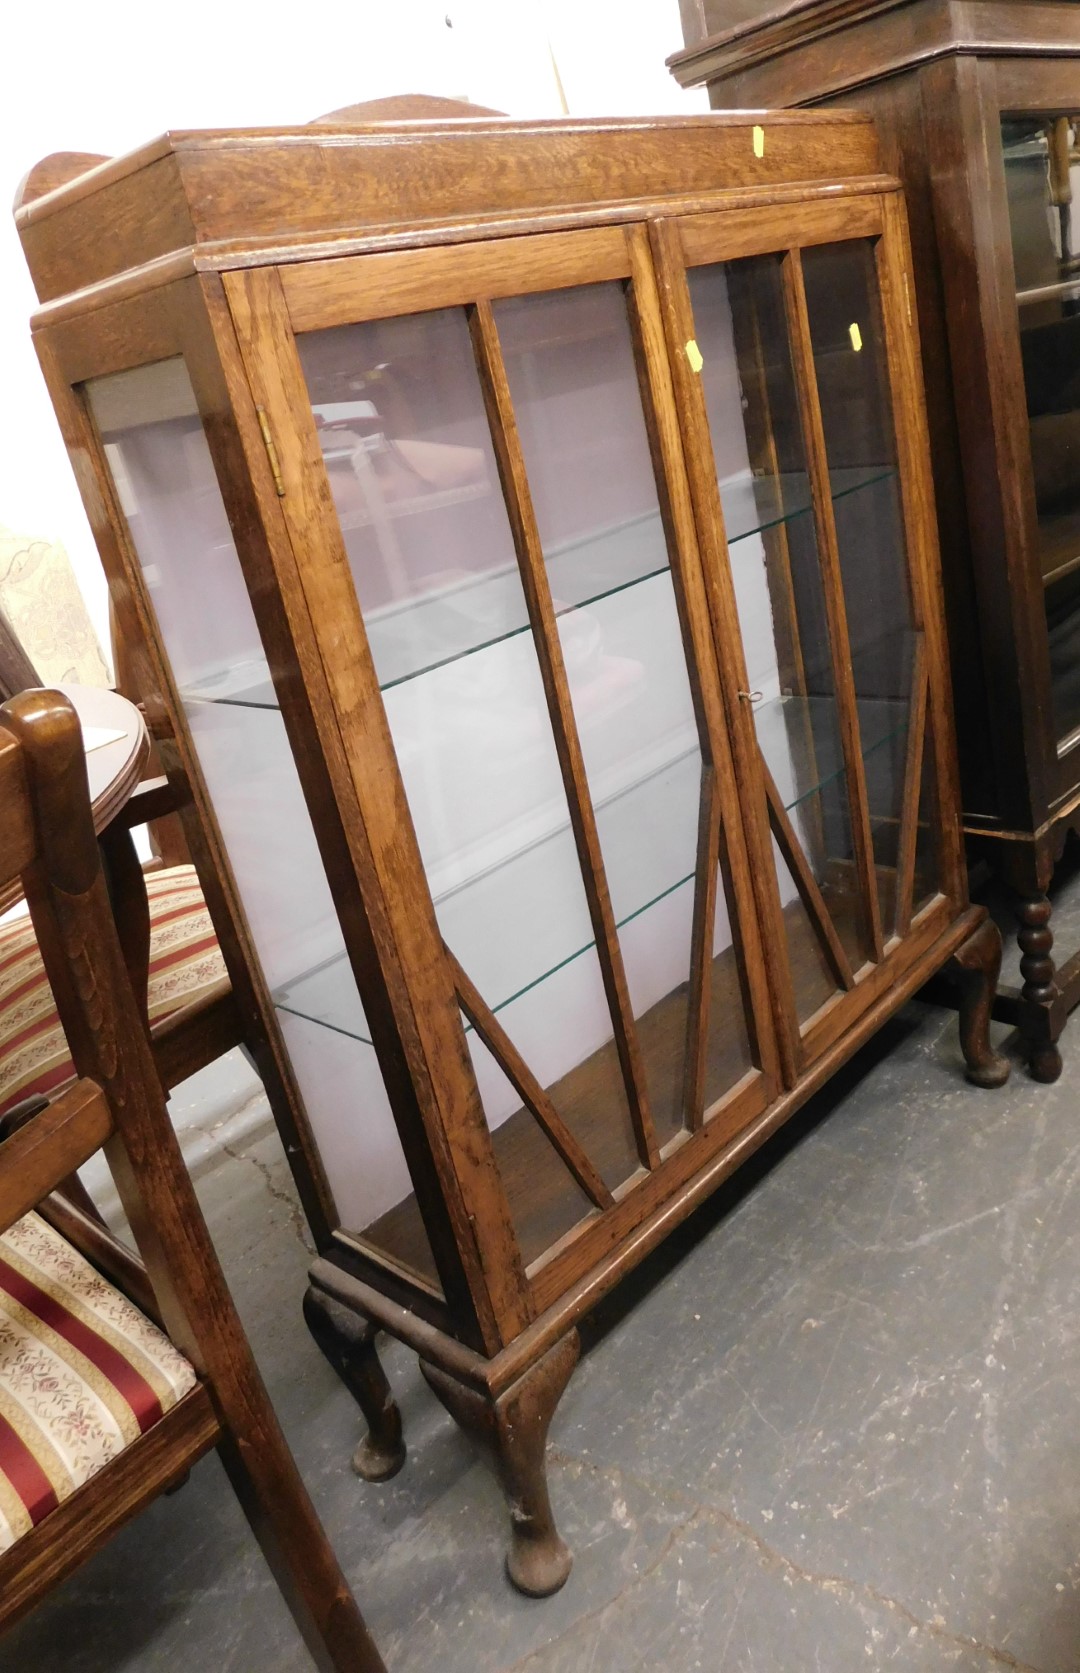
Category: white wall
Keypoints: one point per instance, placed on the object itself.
(107, 78)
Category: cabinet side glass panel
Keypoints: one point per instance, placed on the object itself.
(756, 432)
(570, 368)
(411, 466)
(848, 340)
(1042, 176)
(167, 489)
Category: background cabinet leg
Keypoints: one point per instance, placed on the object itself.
(1039, 992)
(348, 1342)
(975, 966)
(513, 1429)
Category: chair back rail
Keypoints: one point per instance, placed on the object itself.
(50, 1145)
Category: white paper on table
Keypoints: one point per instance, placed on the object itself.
(96, 737)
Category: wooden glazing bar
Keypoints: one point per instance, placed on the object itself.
(669, 476)
(527, 1087)
(542, 617)
(700, 988)
(802, 356)
(806, 883)
(676, 314)
(761, 441)
(677, 512)
(909, 807)
(749, 964)
(921, 527)
(760, 426)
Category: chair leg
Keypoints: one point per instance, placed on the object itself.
(293, 1541)
(348, 1343)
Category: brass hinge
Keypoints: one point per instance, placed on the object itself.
(271, 452)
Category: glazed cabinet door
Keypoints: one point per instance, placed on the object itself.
(490, 443)
(1040, 152)
(792, 354)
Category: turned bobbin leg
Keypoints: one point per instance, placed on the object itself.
(513, 1429)
(975, 966)
(1035, 939)
(348, 1342)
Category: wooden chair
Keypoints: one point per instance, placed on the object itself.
(171, 1373)
(173, 956)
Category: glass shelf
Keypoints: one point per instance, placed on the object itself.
(446, 624)
(797, 738)
(1059, 546)
(1060, 290)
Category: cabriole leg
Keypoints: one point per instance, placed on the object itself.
(1035, 939)
(513, 1429)
(975, 966)
(348, 1342)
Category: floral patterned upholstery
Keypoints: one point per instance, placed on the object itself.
(82, 1374)
(185, 965)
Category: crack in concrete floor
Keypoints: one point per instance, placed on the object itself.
(287, 1198)
(699, 1515)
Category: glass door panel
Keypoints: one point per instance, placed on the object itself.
(1042, 174)
(165, 481)
(412, 469)
(848, 344)
(572, 379)
(755, 424)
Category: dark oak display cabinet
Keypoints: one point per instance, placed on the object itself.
(977, 109)
(530, 549)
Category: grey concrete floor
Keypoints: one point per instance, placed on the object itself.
(833, 1425)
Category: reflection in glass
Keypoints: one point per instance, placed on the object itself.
(166, 484)
(411, 467)
(848, 342)
(756, 432)
(1042, 172)
(570, 368)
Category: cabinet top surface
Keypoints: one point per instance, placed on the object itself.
(733, 35)
(221, 198)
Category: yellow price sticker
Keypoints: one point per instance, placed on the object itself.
(759, 142)
(856, 335)
(693, 354)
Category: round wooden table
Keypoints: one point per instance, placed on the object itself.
(113, 769)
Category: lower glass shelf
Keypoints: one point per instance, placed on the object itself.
(798, 738)
(545, 1201)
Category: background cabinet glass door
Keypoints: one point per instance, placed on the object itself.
(1042, 169)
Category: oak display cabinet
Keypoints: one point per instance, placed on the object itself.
(527, 536)
(977, 107)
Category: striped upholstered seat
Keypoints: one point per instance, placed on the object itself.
(185, 965)
(82, 1374)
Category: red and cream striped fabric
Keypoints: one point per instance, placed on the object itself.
(185, 965)
(82, 1374)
